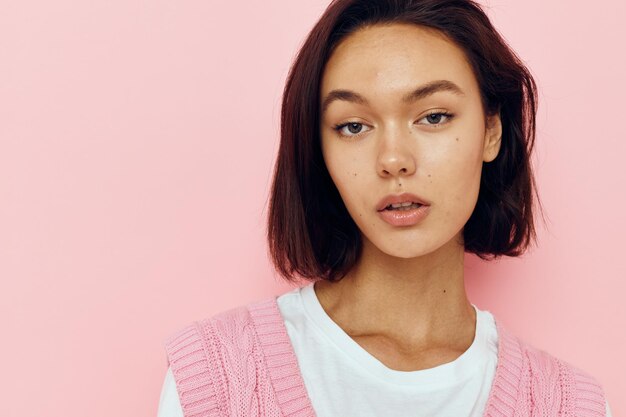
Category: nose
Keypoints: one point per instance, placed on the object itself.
(396, 156)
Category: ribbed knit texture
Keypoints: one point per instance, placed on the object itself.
(240, 362)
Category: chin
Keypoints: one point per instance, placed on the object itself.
(410, 253)
(414, 247)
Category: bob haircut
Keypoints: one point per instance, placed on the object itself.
(310, 231)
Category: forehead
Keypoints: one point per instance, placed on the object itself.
(394, 58)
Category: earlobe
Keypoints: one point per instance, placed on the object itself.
(493, 137)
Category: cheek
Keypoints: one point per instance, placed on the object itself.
(344, 169)
(454, 176)
(458, 158)
(350, 176)
(468, 159)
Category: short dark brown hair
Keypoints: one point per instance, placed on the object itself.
(310, 231)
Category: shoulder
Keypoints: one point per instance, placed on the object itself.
(546, 364)
(206, 354)
(548, 379)
(227, 327)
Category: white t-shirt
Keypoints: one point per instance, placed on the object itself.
(343, 379)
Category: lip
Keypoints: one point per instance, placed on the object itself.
(400, 198)
(404, 218)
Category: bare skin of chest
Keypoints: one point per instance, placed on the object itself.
(401, 358)
(394, 346)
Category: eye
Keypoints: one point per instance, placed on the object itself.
(350, 129)
(434, 118)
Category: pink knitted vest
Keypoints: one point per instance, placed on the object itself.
(240, 362)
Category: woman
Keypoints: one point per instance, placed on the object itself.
(407, 130)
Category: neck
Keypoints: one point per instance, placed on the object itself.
(418, 302)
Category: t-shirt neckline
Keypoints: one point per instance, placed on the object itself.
(467, 364)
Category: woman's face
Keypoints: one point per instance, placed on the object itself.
(389, 145)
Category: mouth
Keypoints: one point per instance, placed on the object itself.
(404, 214)
(409, 205)
(400, 202)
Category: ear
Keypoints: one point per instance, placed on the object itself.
(493, 137)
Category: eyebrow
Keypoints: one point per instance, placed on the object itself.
(419, 93)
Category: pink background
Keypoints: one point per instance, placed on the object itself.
(136, 146)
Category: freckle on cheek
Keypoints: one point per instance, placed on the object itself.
(457, 139)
